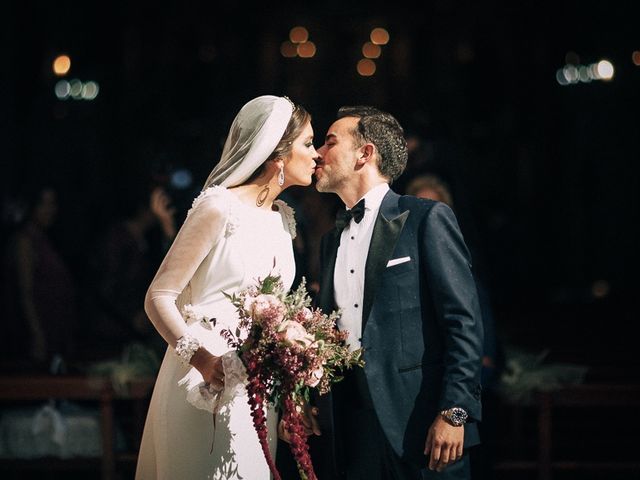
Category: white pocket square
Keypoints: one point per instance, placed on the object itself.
(398, 261)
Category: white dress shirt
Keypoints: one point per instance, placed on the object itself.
(348, 278)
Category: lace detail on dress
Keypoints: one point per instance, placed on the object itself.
(200, 396)
(288, 216)
(192, 314)
(226, 199)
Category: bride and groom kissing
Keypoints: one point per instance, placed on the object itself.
(396, 266)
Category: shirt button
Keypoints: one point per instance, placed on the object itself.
(353, 238)
(355, 305)
(352, 270)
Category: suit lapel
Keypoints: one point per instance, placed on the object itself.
(385, 235)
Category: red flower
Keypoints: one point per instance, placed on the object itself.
(287, 350)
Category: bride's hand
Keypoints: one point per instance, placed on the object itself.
(210, 367)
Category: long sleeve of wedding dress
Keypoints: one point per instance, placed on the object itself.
(203, 227)
(223, 246)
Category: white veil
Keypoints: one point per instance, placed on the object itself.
(254, 135)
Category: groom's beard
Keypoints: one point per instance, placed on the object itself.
(323, 185)
(331, 183)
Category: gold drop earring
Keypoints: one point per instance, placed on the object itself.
(262, 196)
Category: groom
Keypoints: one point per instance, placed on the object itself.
(399, 270)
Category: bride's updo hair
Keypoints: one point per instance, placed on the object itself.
(299, 119)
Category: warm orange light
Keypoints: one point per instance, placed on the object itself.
(366, 67)
(370, 50)
(379, 36)
(307, 49)
(61, 65)
(298, 35)
(600, 289)
(288, 49)
(635, 57)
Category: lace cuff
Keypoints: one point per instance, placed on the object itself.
(198, 393)
(186, 347)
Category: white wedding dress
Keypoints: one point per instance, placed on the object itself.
(238, 244)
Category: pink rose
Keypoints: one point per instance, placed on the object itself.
(266, 308)
(293, 333)
(304, 315)
(315, 377)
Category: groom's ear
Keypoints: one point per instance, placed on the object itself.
(366, 153)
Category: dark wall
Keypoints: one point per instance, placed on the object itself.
(545, 177)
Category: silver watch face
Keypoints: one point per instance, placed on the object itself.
(457, 416)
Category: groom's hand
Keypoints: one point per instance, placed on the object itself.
(309, 421)
(444, 443)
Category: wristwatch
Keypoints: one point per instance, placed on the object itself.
(456, 416)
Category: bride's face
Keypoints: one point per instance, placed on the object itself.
(301, 164)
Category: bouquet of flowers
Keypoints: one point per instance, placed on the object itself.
(288, 349)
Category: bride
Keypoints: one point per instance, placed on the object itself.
(235, 232)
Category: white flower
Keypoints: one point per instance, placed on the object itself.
(293, 333)
(248, 305)
(268, 308)
(315, 377)
(190, 314)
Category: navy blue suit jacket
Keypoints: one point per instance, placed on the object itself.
(422, 330)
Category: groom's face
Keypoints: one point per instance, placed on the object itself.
(338, 156)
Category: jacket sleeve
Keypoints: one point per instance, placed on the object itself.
(448, 270)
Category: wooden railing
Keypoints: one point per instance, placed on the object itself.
(583, 396)
(33, 388)
(30, 388)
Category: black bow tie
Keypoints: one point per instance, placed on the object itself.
(344, 216)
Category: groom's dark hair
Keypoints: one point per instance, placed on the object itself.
(384, 131)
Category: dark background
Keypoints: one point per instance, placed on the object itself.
(545, 176)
